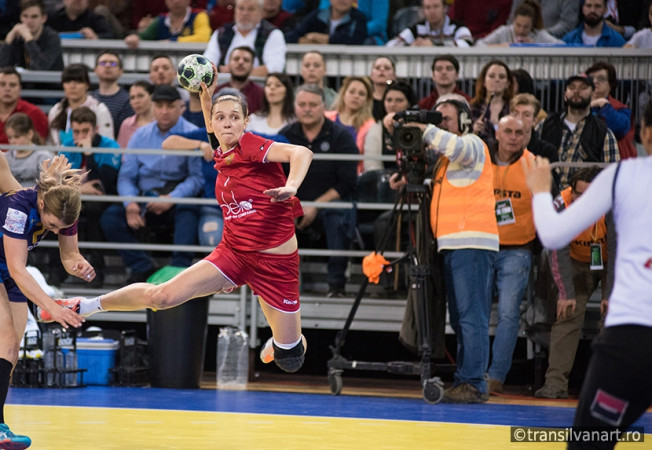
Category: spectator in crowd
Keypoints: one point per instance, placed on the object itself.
(480, 17)
(526, 28)
(313, 71)
(511, 270)
(493, 91)
(352, 109)
(526, 107)
(445, 73)
(163, 71)
(140, 100)
(616, 114)
(522, 83)
(241, 63)
(108, 68)
(76, 17)
(277, 109)
(220, 13)
(277, 16)
(145, 12)
(577, 134)
(559, 16)
(341, 23)
(117, 13)
(577, 269)
(398, 96)
(25, 163)
(463, 220)
(155, 176)
(643, 37)
(593, 31)
(11, 103)
(626, 16)
(76, 83)
(438, 29)
(31, 44)
(180, 23)
(102, 179)
(325, 181)
(383, 72)
(251, 30)
(376, 12)
(9, 16)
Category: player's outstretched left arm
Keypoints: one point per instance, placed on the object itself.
(299, 158)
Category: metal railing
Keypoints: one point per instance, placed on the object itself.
(548, 66)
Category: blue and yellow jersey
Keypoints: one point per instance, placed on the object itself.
(20, 219)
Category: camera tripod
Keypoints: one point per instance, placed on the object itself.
(417, 256)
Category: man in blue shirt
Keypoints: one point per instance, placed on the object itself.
(155, 175)
(102, 179)
(593, 31)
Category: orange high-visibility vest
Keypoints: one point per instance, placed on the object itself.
(464, 217)
(509, 183)
(580, 246)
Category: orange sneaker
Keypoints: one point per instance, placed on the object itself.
(70, 303)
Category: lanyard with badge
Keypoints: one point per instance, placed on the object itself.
(504, 208)
(597, 262)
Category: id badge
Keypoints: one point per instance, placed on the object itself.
(505, 212)
(596, 257)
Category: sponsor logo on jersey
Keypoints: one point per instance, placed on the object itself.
(15, 221)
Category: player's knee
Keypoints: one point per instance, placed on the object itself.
(157, 297)
(290, 360)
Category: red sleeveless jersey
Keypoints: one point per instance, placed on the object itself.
(251, 221)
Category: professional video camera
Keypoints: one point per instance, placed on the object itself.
(411, 156)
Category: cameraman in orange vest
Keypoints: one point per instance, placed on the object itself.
(517, 237)
(577, 269)
(463, 220)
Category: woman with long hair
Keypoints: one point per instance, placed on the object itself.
(352, 109)
(493, 92)
(140, 99)
(27, 215)
(526, 28)
(277, 109)
(76, 84)
(398, 96)
(383, 71)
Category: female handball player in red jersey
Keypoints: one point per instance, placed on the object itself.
(258, 246)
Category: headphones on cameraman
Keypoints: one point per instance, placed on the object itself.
(463, 114)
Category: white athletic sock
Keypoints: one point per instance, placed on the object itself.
(90, 306)
(287, 346)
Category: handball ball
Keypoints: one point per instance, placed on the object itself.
(192, 70)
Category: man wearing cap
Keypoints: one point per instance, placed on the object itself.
(155, 175)
(576, 133)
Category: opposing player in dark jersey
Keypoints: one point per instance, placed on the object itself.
(26, 216)
(258, 245)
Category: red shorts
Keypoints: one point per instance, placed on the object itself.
(275, 278)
